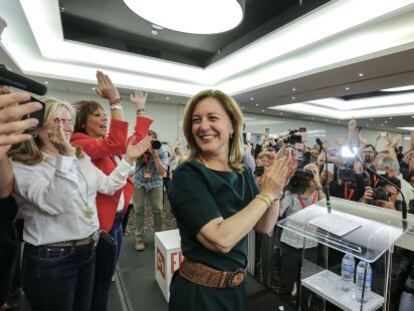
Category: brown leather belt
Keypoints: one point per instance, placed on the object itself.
(201, 274)
(90, 240)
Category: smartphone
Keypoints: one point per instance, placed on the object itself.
(302, 129)
(330, 167)
(38, 115)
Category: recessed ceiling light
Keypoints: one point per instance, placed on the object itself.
(154, 32)
(360, 74)
(399, 89)
(385, 121)
(293, 97)
(191, 16)
(251, 98)
(326, 119)
(242, 107)
(390, 118)
(167, 98)
(347, 89)
(281, 113)
(382, 124)
(257, 105)
(262, 110)
(370, 119)
(93, 89)
(293, 89)
(158, 27)
(46, 82)
(367, 125)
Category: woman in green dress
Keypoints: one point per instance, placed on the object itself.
(216, 203)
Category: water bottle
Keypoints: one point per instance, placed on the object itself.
(359, 280)
(347, 273)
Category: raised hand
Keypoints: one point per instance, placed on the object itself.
(59, 140)
(352, 124)
(105, 88)
(362, 139)
(11, 129)
(139, 99)
(388, 138)
(277, 176)
(135, 151)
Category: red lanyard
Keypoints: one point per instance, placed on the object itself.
(376, 181)
(146, 159)
(348, 194)
(302, 203)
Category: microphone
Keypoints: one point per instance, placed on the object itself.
(10, 78)
(404, 210)
(326, 187)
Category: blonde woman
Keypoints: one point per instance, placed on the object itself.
(56, 187)
(216, 203)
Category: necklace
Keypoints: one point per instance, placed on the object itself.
(88, 211)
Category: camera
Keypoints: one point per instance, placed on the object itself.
(155, 144)
(347, 173)
(258, 171)
(381, 194)
(299, 181)
(294, 136)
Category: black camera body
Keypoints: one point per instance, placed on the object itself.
(294, 136)
(381, 194)
(258, 170)
(346, 172)
(155, 144)
(299, 181)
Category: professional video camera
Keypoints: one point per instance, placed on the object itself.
(294, 136)
(299, 181)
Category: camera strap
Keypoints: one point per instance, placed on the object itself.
(302, 202)
(348, 194)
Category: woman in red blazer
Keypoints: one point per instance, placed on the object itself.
(105, 149)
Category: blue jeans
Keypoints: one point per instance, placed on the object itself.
(58, 278)
(107, 253)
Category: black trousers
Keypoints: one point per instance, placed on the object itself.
(9, 246)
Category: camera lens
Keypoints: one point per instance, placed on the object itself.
(155, 144)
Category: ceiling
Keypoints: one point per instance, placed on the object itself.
(277, 56)
(115, 26)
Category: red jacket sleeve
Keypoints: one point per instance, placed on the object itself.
(98, 148)
(142, 125)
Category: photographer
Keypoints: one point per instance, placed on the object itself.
(383, 195)
(392, 169)
(304, 190)
(148, 178)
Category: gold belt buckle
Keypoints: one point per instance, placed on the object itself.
(236, 279)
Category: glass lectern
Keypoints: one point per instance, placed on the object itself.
(364, 231)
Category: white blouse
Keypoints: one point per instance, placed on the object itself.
(53, 197)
